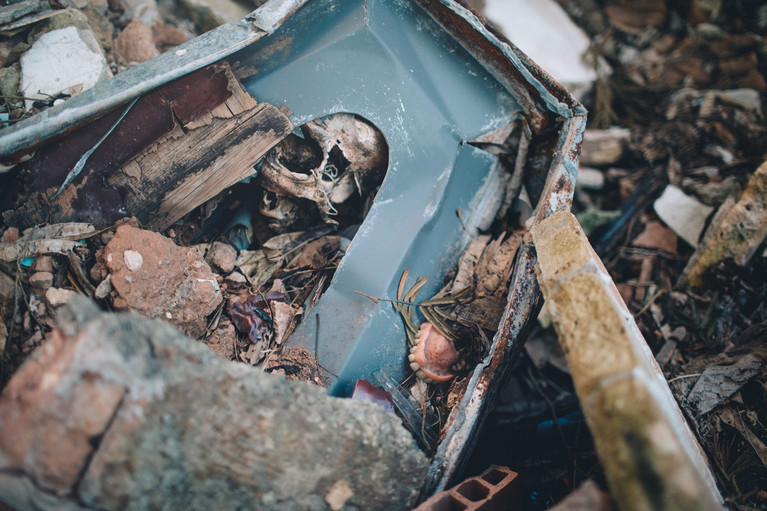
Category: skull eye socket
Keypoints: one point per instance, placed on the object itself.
(332, 172)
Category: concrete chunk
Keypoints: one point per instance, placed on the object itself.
(651, 458)
(115, 411)
(737, 231)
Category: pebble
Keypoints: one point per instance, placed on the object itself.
(133, 260)
(41, 280)
(222, 256)
(56, 296)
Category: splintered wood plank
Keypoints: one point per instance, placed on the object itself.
(192, 100)
(179, 174)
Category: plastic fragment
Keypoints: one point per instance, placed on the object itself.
(366, 391)
(423, 423)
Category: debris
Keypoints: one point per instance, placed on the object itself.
(295, 364)
(496, 488)
(209, 14)
(658, 237)
(57, 296)
(104, 288)
(284, 319)
(430, 132)
(637, 426)
(55, 238)
(253, 316)
(222, 256)
(468, 262)
(127, 381)
(144, 10)
(544, 349)
(737, 231)
(41, 280)
(719, 382)
(66, 60)
(544, 32)
(634, 16)
(735, 420)
(133, 260)
(604, 147)
(590, 178)
(366, 391)
(135, 44)
(43, 263)
(173, 283)
(14, 11)
(685, 215)
(419, 416)
(156, 155)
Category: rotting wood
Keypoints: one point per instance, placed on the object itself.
(187, 168)
(214, 122)
(195, 162)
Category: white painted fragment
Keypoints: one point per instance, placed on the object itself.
(684, 215)
(544, 31)
(62, 60)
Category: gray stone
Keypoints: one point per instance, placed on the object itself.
(57, 297)
(604, 147)
(10, 79)
(180, 428)
(14, 11)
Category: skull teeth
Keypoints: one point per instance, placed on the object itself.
(420, 374)
(411, 357)
(415, 366)
(412, 349)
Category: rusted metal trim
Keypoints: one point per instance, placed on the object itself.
(271, 15)
(56, 122)
(509, 65)
(524, 303)
(557, 193)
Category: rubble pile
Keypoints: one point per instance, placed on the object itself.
(670, 192)
(231, 223)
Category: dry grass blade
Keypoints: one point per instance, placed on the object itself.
(419, 283)
(448, 298)
(401, 286)
(434, 318)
